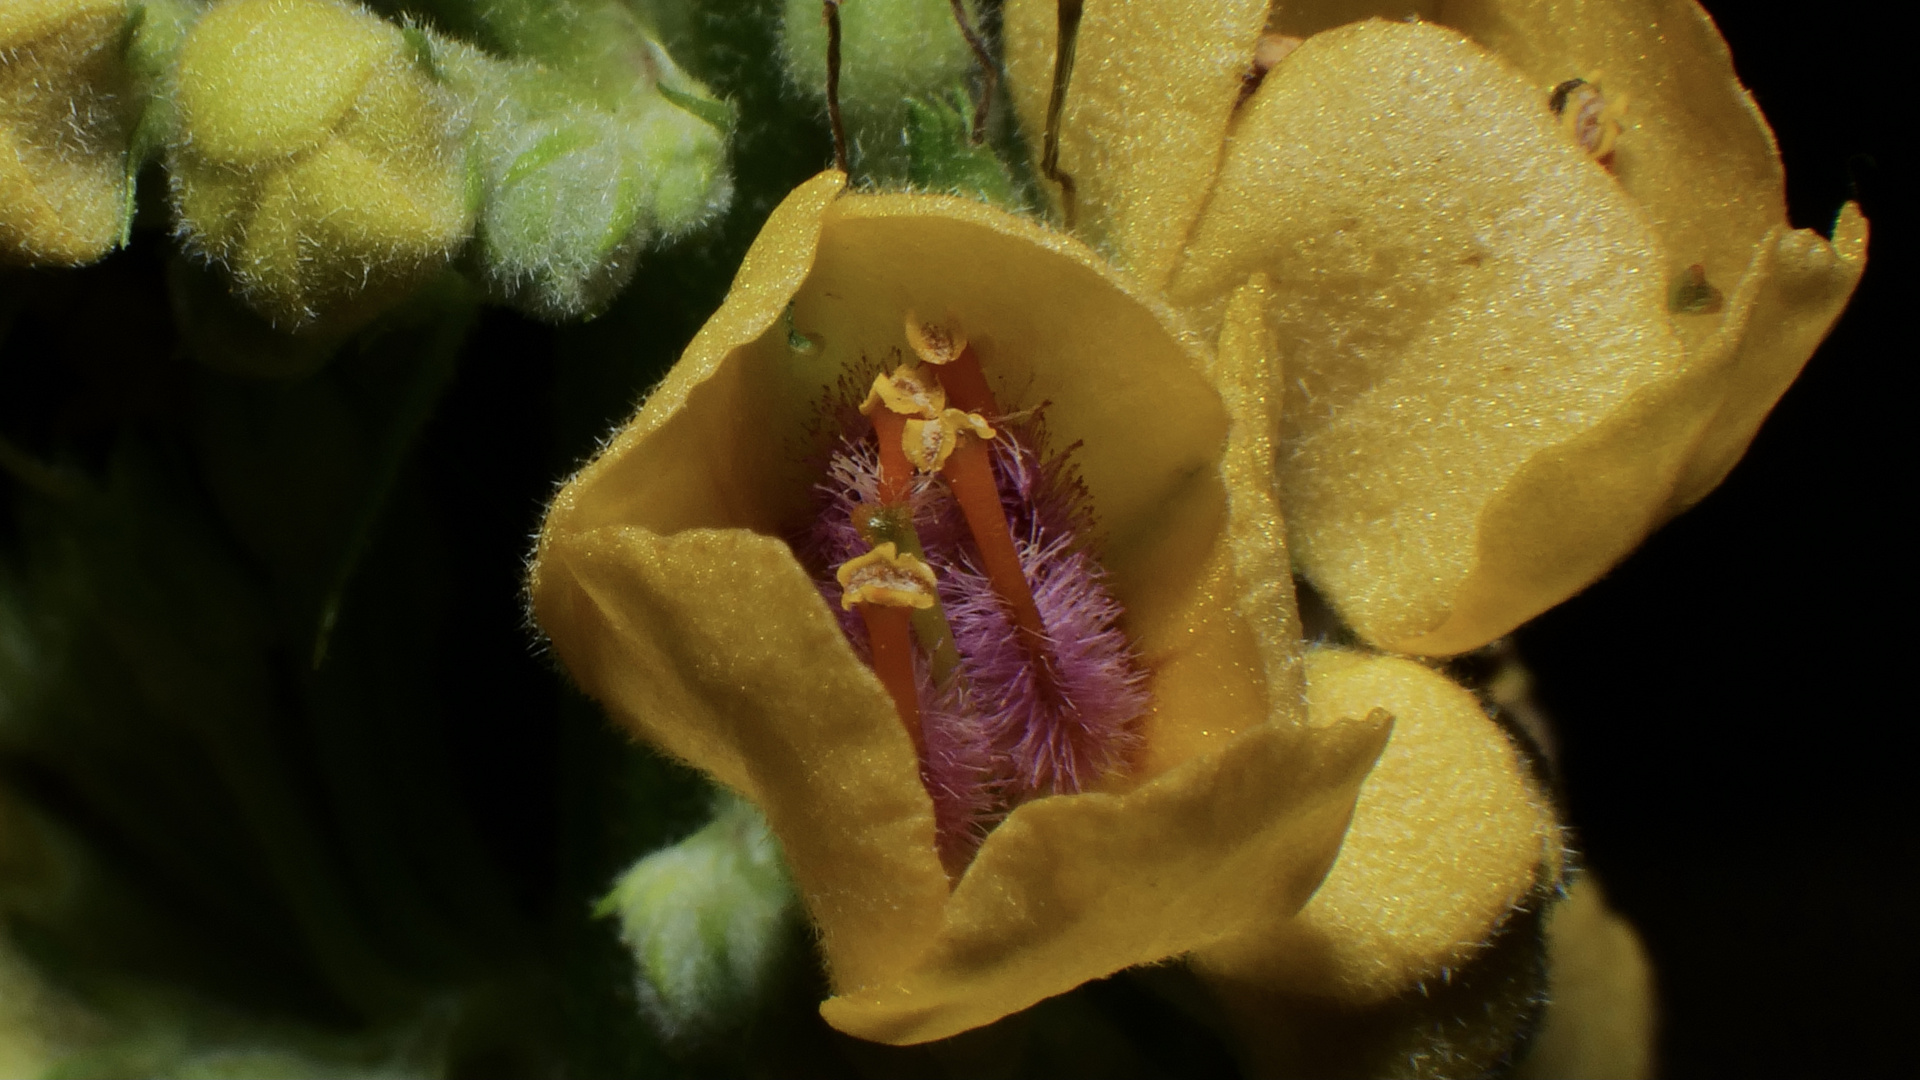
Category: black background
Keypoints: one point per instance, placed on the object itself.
(1734, 736)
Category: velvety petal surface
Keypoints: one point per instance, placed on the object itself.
(1148, 110)
(1073, 888)
(1458, 288)
(1491, 400)
(1451, 832)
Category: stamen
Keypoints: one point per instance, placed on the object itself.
(906, 393)
(896, 471)
(997, 641)
(935, 343)
(888, 577)
(955, 364)
(890, 635)
(880, 525)
(969, 473)
(928, 443)
(886, 587)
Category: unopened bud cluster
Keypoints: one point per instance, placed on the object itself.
(64, 129)
(329, 159)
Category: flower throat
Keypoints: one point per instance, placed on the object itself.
(952, 545)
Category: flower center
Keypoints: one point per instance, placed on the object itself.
(954, 546)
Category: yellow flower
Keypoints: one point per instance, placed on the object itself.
(64, 127)
(1503, 360)
(665, 587)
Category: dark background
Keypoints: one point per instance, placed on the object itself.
(1733, 731)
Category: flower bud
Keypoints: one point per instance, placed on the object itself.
(889, 52)
(706, 919)
(577, 182)
(64, 126)
(318, 157)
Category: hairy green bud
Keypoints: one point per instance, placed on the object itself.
(64, 130)
(707, 920)
(580, 171)
(317, 157)
(890, 51)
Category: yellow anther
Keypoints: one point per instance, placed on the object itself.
(936, 343)
(928, 443)
(888, 577)
(906, 393)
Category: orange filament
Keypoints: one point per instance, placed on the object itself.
(896, 472)
(890, 631)
(966, 385)
(969, 472)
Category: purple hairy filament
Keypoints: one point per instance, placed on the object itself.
(1007, 725)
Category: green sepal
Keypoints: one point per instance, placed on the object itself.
(718, 114)
(942, 156)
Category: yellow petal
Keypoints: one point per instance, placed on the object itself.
(1699, 158)
(1799, 284)
(1575, 509)
(1217, 624)
(1601, 1019)
(717, 636)
(1695, 152)
(1305, 18)
(1073, 888)
(1451, 831)
(1458, 287)
(1152, 94)
(64, 128)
